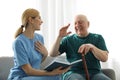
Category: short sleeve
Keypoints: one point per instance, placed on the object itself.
(21, 57)
(101, 43)
(63, 44)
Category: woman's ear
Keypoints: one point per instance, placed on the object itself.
(30, 20)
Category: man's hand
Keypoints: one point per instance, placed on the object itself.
(85, 48)
(63, 31)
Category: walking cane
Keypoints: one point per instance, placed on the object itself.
(85, 67)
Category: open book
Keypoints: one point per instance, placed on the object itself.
(60, 63)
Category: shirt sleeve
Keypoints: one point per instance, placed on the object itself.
(21, 57)
(101, 43)
(63, 44)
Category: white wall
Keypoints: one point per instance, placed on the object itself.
(104, 17)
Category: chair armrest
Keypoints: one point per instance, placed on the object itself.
(110, 73)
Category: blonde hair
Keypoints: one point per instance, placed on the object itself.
(26, 14)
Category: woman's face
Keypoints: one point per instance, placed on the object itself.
(37, 22)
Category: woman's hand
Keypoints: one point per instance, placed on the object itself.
(63, 31)
(41, 48)
(58, 71)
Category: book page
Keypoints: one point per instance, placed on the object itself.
(76, 61)
(62, 60)
(58, 59)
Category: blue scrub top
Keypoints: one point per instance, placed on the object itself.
(25, 53)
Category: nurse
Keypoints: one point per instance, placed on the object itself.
(30, 52)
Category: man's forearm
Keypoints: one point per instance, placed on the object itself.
(55, 48)
(100, 54)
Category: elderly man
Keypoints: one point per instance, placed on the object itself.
(92, 45)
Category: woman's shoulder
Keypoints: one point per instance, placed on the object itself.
(19, 38)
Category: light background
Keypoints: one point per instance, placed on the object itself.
(104, 17)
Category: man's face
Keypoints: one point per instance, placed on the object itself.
(81, 24)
